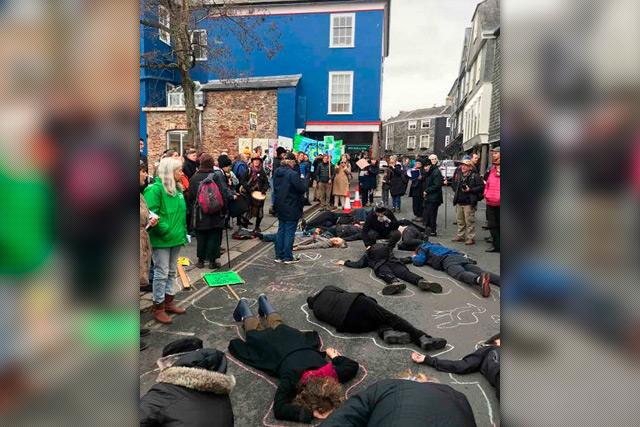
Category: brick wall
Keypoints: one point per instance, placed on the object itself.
(158, 124)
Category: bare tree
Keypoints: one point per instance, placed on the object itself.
(177, 22)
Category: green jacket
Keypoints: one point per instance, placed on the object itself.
(171, 229)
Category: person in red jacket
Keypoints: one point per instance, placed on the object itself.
(492, 196)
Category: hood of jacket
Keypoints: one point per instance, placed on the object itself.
(198, 379)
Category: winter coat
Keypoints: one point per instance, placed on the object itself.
(370, 180)
(316, 163)
(290, 189)
(305, 169)
(171, 229)
(433, 255)
(404, 403)
(145, 244)
(287, 353)
(189, 168)
(332, 304)
(189, 396)
(433, 186)
(375, 257)
(319, 242)
(476, 188)
(341, 180)
(239, 168)
(397, 181)
(411, 233)
(417, 184)
(372, 222)
(261, 183)
(492, 188)
(204, 221)
(324, 172)
(386, 185)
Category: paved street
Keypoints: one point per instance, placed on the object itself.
(459, 314)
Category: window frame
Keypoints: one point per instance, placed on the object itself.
(204, 48)
(447, 140)
(330, 85)
(198, 93)
(448, 123)
(428, 141)
(184, 138)
(414, 142)
(163, 11)
(353, 31)
(415, 125)
(428, 122)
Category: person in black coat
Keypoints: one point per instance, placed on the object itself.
(416, 191)
(391, 270)
(255, 179)
(397, 184)
(412, 237)
(468, 189)
(369, 182)
(309, 386)
(381, 223)
(410, 402)
(347, 232)
(192, 392)
(208, 228)
(432, 187)
(486, 359)
(357, 313)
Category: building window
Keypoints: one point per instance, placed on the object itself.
(175, 95)
(164, 19)
(343, 29)
(478, 65)
(177, 139)
(425, 124)
(411, 142)
(424, 141)
(447, 140)
(448, 122)
(413, 125)
(341, 92)
(199, 42)
(475, 28)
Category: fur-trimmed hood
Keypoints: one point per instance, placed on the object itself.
(198, 379)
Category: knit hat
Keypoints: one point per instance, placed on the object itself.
(496, 149)
(224, 161)
(246, 151)
(290, 156)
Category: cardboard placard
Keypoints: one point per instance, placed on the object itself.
(222, 278)
(362, 163)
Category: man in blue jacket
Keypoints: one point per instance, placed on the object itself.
(290, 190)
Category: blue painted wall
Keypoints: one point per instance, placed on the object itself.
(287, 111)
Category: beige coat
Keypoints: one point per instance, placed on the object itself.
(145, 244)
(341, 180)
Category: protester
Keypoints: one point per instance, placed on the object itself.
(331, 219)
(411, 401)
(455, 265)
(316, 190)
(416, 191)
(432, 194)
(391, 270)
(347, 232)
(397, 183)
(324, 175)
(319, 241)
(305, 174)
(468, 190)
(255, 180)
(189, 166)
(239, 166)
(143, 158)
(192, 391)
(309, 386)
(369, 182)
(475, 160)
(291, 189)
(341, 182)
(386, 185)
(165, 199)
(357, 313)
(486, 359)
(492, 195)
(381, 224)
(276, 164)
(412, 237)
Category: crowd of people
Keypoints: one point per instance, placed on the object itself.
(198, 195)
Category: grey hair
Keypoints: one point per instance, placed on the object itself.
(165, 172)
(394, 158)
(433, 156)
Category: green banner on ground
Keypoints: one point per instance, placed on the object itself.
(222, 278)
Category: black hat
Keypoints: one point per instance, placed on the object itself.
(279, 151)
(224, 161)
(182, 345)
(289, 156)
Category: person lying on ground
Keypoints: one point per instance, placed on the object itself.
(357, 313)
(271, 237)
(349, 233)
(319, 241)
(309, 386)
(331, 219)
(391, 270)
(381, 224)
(193, 388)
(410, 401)
(412, 237)
(455, 265)
(486, 359)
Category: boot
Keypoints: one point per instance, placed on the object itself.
(170, 306)
(396, 337)
(429, 343)
(425, 285)
(160, 315)
(214, 264)
(242, 310)
(200, 263)
(264, 308)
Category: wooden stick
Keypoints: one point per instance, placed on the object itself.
(183, 276)
(232, 292)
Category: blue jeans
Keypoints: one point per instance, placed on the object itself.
(395, 200)
(271, 237)
(165, 265)
(284, 239)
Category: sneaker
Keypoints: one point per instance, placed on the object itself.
(396, 337)
(458, 239)
(393, 288)
(483, 284)
(278, 260)
(292, 261)
(434, 287)
(430, 343)
(433, 234)
(492, 249)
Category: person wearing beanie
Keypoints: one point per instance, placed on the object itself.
(255, 179)
(415, 190)
(381, 223)
(432, 192)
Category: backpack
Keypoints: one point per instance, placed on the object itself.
(209, 199)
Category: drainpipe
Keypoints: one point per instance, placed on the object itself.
(200, 128)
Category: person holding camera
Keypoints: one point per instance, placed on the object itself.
(469, 190)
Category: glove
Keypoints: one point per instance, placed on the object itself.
(384, 219)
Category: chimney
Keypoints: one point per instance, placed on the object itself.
(449, 101)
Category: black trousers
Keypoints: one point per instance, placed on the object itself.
(365, 315)
(349, 236)
(367, 195)
(493, 218)
(394, 269)
(430, 216)
(324, 219)
(418, 202)
(373, 236)
(460, 268)
(209, 242)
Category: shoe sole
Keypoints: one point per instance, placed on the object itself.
(279, 261)
(485, 289)
(435, 288)
(295, 261)
(393, 289)
(436, 346)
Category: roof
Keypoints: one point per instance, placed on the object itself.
(268, 82)
(418, 114)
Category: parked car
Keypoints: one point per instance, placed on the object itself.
(448, 168)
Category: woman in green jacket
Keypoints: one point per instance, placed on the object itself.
(166, 200)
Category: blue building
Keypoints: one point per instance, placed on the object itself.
(326, 79)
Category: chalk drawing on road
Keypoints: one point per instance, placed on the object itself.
(306, 256)
(459, 316)
(476, 383)
(496, 318)
(466, 288)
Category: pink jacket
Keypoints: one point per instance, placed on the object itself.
(492, 188)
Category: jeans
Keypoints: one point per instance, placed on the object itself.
(165, 265)
(460, 268)
(209, 242)
(284, 239)
(395, 200)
